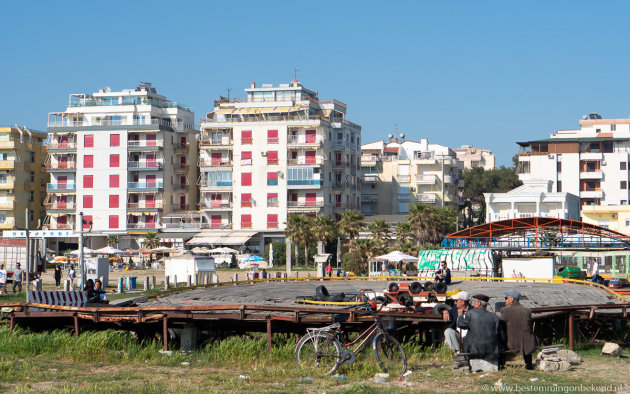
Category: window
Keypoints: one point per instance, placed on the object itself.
(88, 161)
(559, 186)
(31, 197)
(88, 201)
(272, 178)
(246, 179)
(113, 221)
(246, 158)
(608, 147)
(272, 220)
(88, 181)
(598, 131)
(216, 178)
(624, 202)
(87, 219)
(114, 181)
(32, 157)
(246, 200)
(613, 127)
(272, 136)
(622, 165)
(114, 201)
(623, 185)
(32, 176)
(246, 221)
(88, 141)
(114, 140)
(272, 157)
(559, 166)
(114, 161)
(272, 199)
(246, 137)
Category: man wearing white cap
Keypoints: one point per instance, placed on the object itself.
(518, 319)
(452, 333)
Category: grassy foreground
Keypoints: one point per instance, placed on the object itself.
(113, 361)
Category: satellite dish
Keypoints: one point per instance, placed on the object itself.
(584, 117)
(390, 136)
(402, 135)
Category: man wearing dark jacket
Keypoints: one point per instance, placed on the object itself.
(452, 335)
(484, 336)
(518, 319)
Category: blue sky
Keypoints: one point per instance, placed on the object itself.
(485, 73)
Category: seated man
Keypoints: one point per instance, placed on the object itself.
(443, 274)
(452, 334)
(485, 334)
(99, 294)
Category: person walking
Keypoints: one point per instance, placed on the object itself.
(18, 277)
(57, 276)
(329, 270)
(595, 271)
(518, 320)
(71, 275)
(3, 279)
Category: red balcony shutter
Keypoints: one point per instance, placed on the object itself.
(246, 137)
(311, 199)
(310, 157)
(88, 141)
(114, 161)
(272, 220)
(114, 140)
(113, 201)
(272, 136)
(272, 178)
(245, 197)
(88, 181)
(86, 221)
(246, 221)
(88, 201)
(114, 181)
(88, 161)
(215, 221)
(246, 179)
(113, 221)
(272, 157)
(246, 155)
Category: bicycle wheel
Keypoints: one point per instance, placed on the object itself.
(389, 354)
(320, 351)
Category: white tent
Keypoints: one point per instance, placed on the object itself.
(397, 257)
(85, 251)
(108, 250)
(223, 250)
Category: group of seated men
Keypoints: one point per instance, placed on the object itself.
(483, 334)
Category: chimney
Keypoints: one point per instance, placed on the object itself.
(295, 83)
(253, 85)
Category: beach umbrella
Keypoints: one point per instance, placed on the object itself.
(85, 251)
(397, 257)
(253, 259)
(223, 250)
(109, 250)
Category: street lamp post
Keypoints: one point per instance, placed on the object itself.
(27, 230)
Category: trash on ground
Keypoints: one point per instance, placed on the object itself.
(244, 377)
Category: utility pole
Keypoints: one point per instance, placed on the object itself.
(81, 251)
(28, 249)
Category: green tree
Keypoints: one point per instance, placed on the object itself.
(478, 181)
(324, 230)
(298, 231)
(151, 240)
(404, 233)
(112, 240)
(350, 225)
(379, 230)
(431, 224)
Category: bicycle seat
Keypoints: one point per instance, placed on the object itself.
(340, 318)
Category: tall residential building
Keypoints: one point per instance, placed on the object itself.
(279, 151)
(22, 177)
(590, 162)
(475, 157)
(125, 159)
(397, 173)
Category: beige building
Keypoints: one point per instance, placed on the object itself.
(474, 157)
(22, 178)
(614, 217)
(396, 174)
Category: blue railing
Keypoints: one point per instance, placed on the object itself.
(144, 185)
(533, 242)
(304, 182)
(60, 186)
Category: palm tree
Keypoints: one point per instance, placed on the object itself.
(112, 240)
(324, 230)
(296, 229)
(431, 224)
(404, 233)
(380, 235)
(151, 240)
(351, 224)
(363, 250)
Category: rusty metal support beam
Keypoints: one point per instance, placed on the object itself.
(571, 323)
(12, 324)
(165, 332)
(269, 332)
(76, 325)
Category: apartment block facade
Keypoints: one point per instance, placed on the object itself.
(397, 173)
(279, 151)
(590, 162)
(125, 159)
(22, 177)
(475, 157)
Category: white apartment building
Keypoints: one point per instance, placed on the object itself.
(279, 151)
(475, 157)
(533, 198)
(125, 159)
(397, 173)
(590, 162)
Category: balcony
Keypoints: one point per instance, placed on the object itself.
(404, 178)
(144, 165)
(273, 203)
(304, 184)
(145, 206)
(61, 166)
(60, 187)
(144, 145)
(273, 140)
(426, 179)
(61, 146)
(369, 161)
(181, 147)
(9, 183)
(7, 203)
(7, 164)
(369, 198)
(132, 186)
(428, 198)
(403, 196)
(303, 161)
(591, 156)
(272, 225)
(143, 226)
(217, 185)
(215, 206)
(7, 223)
(215, 144)
(272, 162)
(181, 186)
(592, 175)
(10, 144)
(179, 167)
(339, 184)
(338, 144)
(592, 194)
(215, 163)
(305, 205)
(61, 226)
(369, 178)
(60, 206)
(304, 140)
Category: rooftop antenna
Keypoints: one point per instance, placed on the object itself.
(228, 90)
(295, 71)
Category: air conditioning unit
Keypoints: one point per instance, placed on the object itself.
(614, 216)
(603, 163)
(551, 156)
(263, 154)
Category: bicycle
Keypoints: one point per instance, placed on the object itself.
(325, 348)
